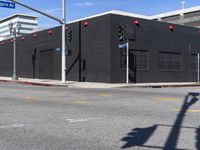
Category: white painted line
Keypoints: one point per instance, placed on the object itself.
(76, 120)
(81, 120)
(17, 125)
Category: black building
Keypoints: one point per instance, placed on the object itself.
(159, 52)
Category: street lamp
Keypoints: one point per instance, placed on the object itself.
(14, 31)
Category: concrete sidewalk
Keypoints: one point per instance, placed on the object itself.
(75, 84)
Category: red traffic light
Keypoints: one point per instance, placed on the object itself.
(2, 43)
(171, 28)
(85, 23)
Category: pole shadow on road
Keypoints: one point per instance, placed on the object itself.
(139, 136)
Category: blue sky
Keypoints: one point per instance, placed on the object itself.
(82, 8)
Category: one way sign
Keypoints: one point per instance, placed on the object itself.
(7, 4)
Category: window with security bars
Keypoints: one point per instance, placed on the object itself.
(169, 61)
(141, 56)
(193, 62)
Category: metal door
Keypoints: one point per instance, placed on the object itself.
(46, 64)
(132, 67)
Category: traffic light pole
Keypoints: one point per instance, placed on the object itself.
(127, 62)
(63, 42)
(62, 22)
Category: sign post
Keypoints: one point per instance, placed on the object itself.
(126, 45)
(127, 62)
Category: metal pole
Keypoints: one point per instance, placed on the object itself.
(198, 67)
(127, 63)
(63, 22)
(63, 72)
(14, 56)
(79, 55)
(36, 10)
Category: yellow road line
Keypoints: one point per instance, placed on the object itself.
(80, 102)
(61, 93)
(189, 110)
(104, 94)
(167, 99)
(30, 97)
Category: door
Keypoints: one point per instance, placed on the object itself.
(132, 67)
(46, 64)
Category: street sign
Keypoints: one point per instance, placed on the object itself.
(7, 4)
(122, 45)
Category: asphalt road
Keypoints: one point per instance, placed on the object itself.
(54, 118)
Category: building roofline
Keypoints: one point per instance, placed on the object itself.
(115, 12)
(16, 15)
(123, 13)
(177, 12)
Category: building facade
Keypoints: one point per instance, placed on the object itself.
(159, 51)
(28, 25)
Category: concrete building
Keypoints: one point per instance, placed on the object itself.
(159, 51)
(28, 24)
(188, 17)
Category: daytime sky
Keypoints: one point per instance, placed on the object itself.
(77, 9)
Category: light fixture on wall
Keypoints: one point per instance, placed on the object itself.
(171, 27)
(136, 22)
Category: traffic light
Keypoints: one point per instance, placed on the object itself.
(70, 36)
(121, 33)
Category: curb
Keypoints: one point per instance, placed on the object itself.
(28, 83)
(125, 86)
(162, 86)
